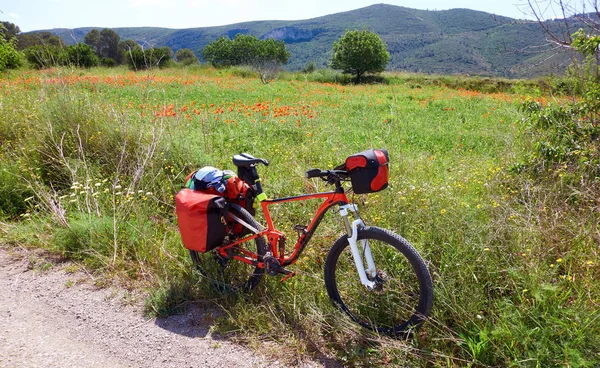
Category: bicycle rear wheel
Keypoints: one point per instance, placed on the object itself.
(225, 273)
(402, 298)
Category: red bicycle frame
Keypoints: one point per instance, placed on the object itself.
(276, 239)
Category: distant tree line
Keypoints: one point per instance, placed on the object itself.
(100, 47)
(357, 52)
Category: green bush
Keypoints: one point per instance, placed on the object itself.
(42, 57)
(82, 55)
(14, 191)
(108, 62)
(156, 57)
(10, 58)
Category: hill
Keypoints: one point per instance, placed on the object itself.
(456, 41)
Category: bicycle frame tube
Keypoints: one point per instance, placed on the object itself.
(273, 235)
(330, 199)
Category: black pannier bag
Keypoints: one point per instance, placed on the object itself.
(368, 170)
(201, 217)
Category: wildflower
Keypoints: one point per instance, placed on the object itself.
(443, 211)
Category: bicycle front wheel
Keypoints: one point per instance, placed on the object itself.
(225, 273)
(402, 297)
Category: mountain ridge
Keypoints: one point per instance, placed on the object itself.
(455, 41)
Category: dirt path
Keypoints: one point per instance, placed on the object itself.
(59, 319)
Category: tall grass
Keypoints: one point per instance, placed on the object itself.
(93, 160)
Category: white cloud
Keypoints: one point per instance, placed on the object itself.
(14, 15)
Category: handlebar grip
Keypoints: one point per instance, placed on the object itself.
(314, 173)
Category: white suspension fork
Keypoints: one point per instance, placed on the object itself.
(352, 229)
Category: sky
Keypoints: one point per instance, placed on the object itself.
(31, 15)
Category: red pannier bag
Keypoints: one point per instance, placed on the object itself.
(239, 192)
(368, 170)
(201, 217)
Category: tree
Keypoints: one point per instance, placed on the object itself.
(9, 30)
(360, 52)
(92, 38)
(105, 43)
(268, 57)
(265, 57)
(566, 133)
(124, 48)
(572, 26)
(109, 44)
(10, 58)
(219, 53)
(39, 39)
(186, 57)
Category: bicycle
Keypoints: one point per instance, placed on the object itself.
(374, 275)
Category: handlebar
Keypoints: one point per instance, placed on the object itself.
(330, 176)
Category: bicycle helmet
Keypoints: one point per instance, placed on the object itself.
(209, 177)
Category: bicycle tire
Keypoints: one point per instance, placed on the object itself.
(226, 274)
(402, 301)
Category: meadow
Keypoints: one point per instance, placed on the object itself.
(91, 161)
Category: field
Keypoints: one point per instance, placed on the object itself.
(91, 161)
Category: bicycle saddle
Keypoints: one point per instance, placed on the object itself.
(246, 159)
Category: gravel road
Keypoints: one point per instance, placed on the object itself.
(54, 318)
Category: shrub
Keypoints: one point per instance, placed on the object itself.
(42, 57)
(10, 58)
(82, 55)
(108, 62)
(186, 57)
(140, 59)
(13, 191)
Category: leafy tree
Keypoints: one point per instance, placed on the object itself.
(105, 43)
(10, 58)
(39, 39)
(109, 44)
(219, 52)
(92, 38)
(268, 57)
(360, 52)
(186, 57)
(264, 56)
(124, 47)
(82, 55)
(9, 30)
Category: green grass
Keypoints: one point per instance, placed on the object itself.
(103, 152)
